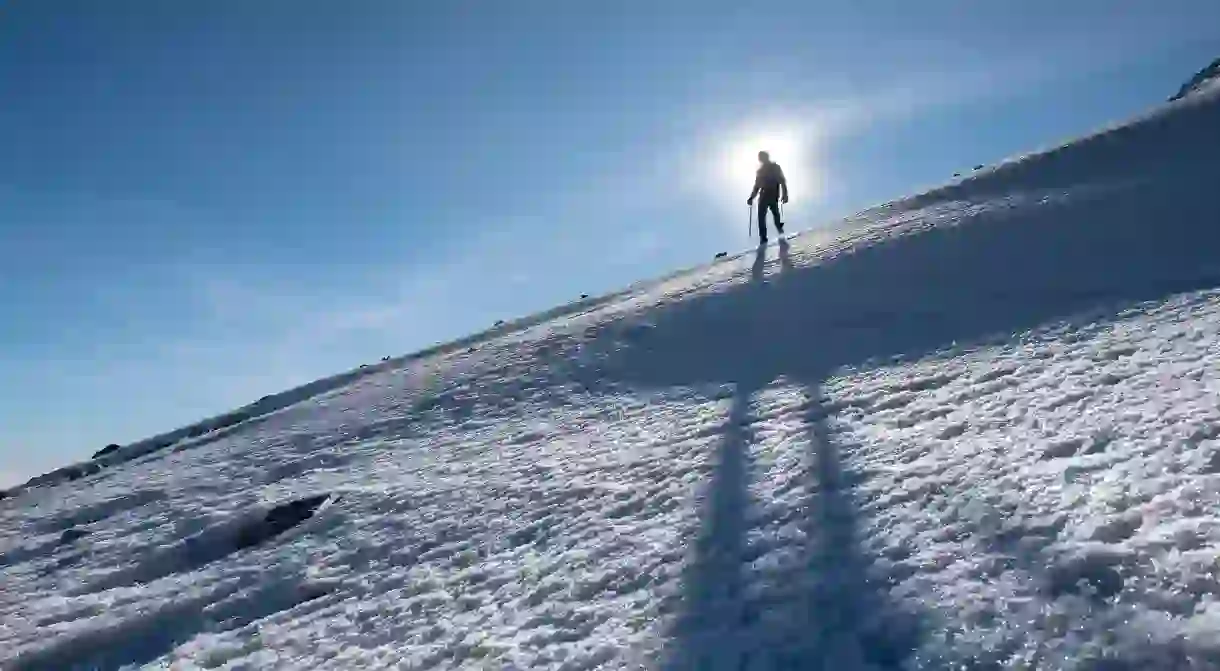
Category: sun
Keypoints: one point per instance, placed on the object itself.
(740, 160)
(726, 158)
(792, 145)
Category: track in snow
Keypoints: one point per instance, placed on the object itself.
(978, 429)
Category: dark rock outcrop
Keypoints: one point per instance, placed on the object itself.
(112, 447)
(1202, 78)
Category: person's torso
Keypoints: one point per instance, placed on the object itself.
(769, 177)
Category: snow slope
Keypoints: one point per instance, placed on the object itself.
(978, 429)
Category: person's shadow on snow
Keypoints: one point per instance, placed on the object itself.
(785, 257)
(1071, 237)
(822, 611)
(760, 260)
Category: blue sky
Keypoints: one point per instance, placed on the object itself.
(201, 203)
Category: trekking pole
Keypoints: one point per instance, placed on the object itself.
(750, 222)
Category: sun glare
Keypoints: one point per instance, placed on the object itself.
(789, 145)
(741, 160)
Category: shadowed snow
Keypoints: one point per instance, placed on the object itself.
(977, 428)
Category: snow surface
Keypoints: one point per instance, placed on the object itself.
(974, 429)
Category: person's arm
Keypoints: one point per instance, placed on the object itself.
(783, 182)
(757, 186)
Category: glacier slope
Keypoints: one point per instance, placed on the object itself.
(977, 429)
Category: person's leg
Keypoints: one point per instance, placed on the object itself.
(774, 205)
(762, 220)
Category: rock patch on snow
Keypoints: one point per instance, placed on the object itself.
(1202, 79)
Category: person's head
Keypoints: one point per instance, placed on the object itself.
(764, 157)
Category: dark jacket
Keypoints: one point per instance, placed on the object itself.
(769, 181)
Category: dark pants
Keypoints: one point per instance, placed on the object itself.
(768, 202)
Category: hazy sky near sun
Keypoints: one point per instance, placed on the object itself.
(202, 203)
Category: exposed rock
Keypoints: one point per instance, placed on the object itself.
(1202, 79)
(112, 447)
(72, 535)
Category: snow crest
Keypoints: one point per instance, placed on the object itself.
(977, 429)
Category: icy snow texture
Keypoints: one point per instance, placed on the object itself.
(978, 429)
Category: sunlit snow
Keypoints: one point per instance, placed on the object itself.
(978, 428)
